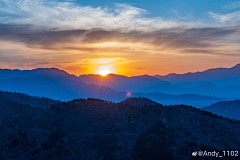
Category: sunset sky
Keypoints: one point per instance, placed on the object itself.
(132, 37)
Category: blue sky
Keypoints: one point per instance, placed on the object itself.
(181, 10)
(164, 7)
(128, 37)
(193, 9)
(210, 12)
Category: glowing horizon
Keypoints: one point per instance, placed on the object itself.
(104, 72)
(129, 39)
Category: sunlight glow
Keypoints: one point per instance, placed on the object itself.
(104, 72)
(106, 44)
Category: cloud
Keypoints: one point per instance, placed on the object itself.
(101, 61)
(208, 52)
(233, 5)
(224, 18)
(69, 15)
(100, 40)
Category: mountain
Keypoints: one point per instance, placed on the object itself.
(36, 102)
(205, 89)
(209, 89)
(52, 83)
(218, 76)
(136, 128)
(163, 96)
(8, 73)
(149, 84)
(195, 100)
(59, 85)
(12, 104)
(229, 109)
(143, 84)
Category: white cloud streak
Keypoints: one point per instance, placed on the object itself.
(224, 18)
(71, 15)
(233, 5)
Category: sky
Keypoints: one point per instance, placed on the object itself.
(133, 37)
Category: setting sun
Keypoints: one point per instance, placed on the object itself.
(104, 72)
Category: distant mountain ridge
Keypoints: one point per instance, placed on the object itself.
(9, 73)
(59, 85)
(218, 76)
(209, 89)
(230, 109)
(150, 84)
(51, 82)
(163, 96)
(143, 84)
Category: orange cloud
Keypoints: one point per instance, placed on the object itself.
(125, 52)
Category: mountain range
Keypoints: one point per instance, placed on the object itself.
(218, 76)
(120, 83)
(53, 83)
(59, 85)
(149, 84)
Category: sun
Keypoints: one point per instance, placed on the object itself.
(104, 72)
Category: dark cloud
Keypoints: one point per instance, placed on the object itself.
(212, 52)
(37, 37)
(172, 38)
(176, 38)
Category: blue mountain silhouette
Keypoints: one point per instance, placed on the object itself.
(59, 85)
(218, 76)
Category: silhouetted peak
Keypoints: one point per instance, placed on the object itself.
(209, 84)
(172, 74)
(143, 76)
(112, 74)
(140, 101)
(237, 66)
(146, 77)
(52, 68)
(211, 70)
(51, 71)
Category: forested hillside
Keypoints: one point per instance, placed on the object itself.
(21, 98)
(136, 128)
